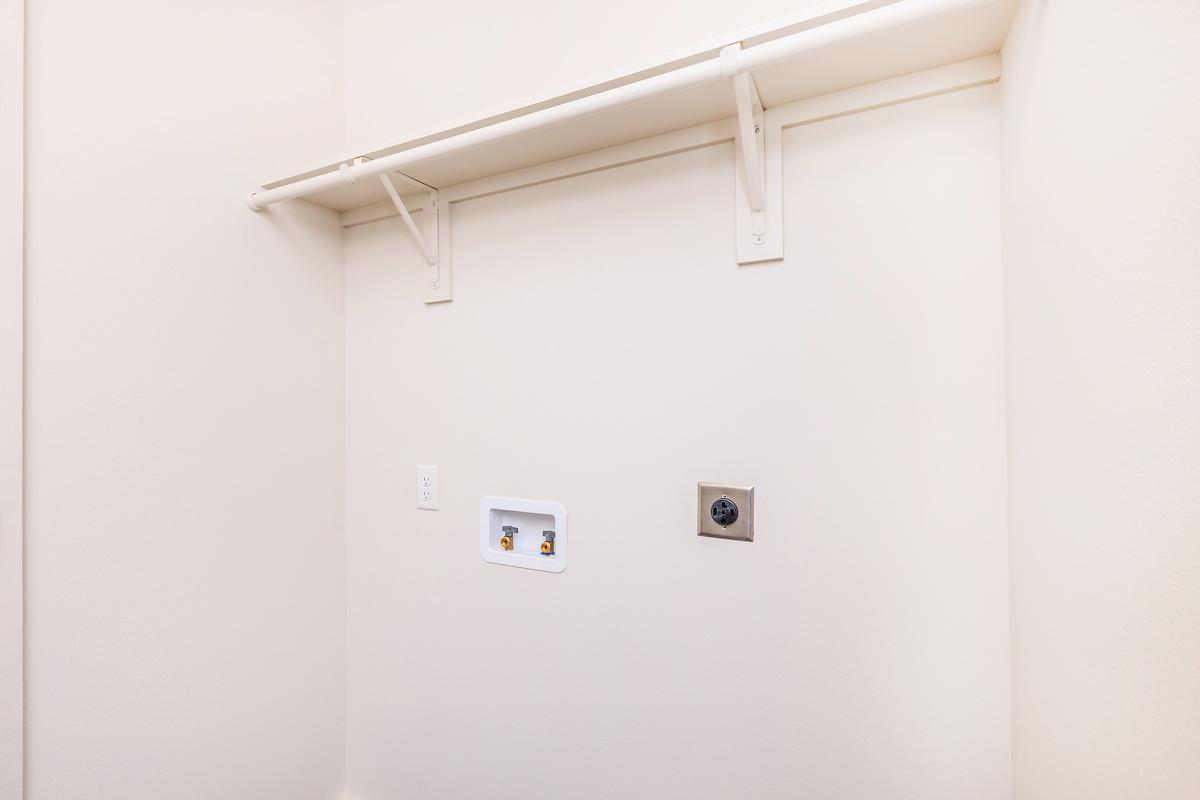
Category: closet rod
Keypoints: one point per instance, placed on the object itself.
(866, 22)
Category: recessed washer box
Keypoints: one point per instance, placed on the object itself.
(513, 531)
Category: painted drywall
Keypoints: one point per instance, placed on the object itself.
(458, 62)
(1102, 288)
(604, 351)
(185, 590)
(11, 45)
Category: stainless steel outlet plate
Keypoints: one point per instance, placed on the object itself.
(712, 494)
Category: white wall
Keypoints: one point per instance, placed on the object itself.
(11, 41)
(1102, 287)
(185, 588)
(457, 62)
(859, 648)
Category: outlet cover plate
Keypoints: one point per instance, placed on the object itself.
(427, 487)
(741, 529)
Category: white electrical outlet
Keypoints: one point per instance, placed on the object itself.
(427, 487)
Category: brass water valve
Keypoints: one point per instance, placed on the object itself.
(509, 539)
(548, 543)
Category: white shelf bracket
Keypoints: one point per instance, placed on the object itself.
(436, 281)
(759, 168)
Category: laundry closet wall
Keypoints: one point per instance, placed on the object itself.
(11, 396)
(472, 58)
(859, 648)
(1102, 288)
(184, 361)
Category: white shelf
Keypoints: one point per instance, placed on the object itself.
(855, 55)
(960, 33)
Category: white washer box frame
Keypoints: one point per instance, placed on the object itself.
(493, 554)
